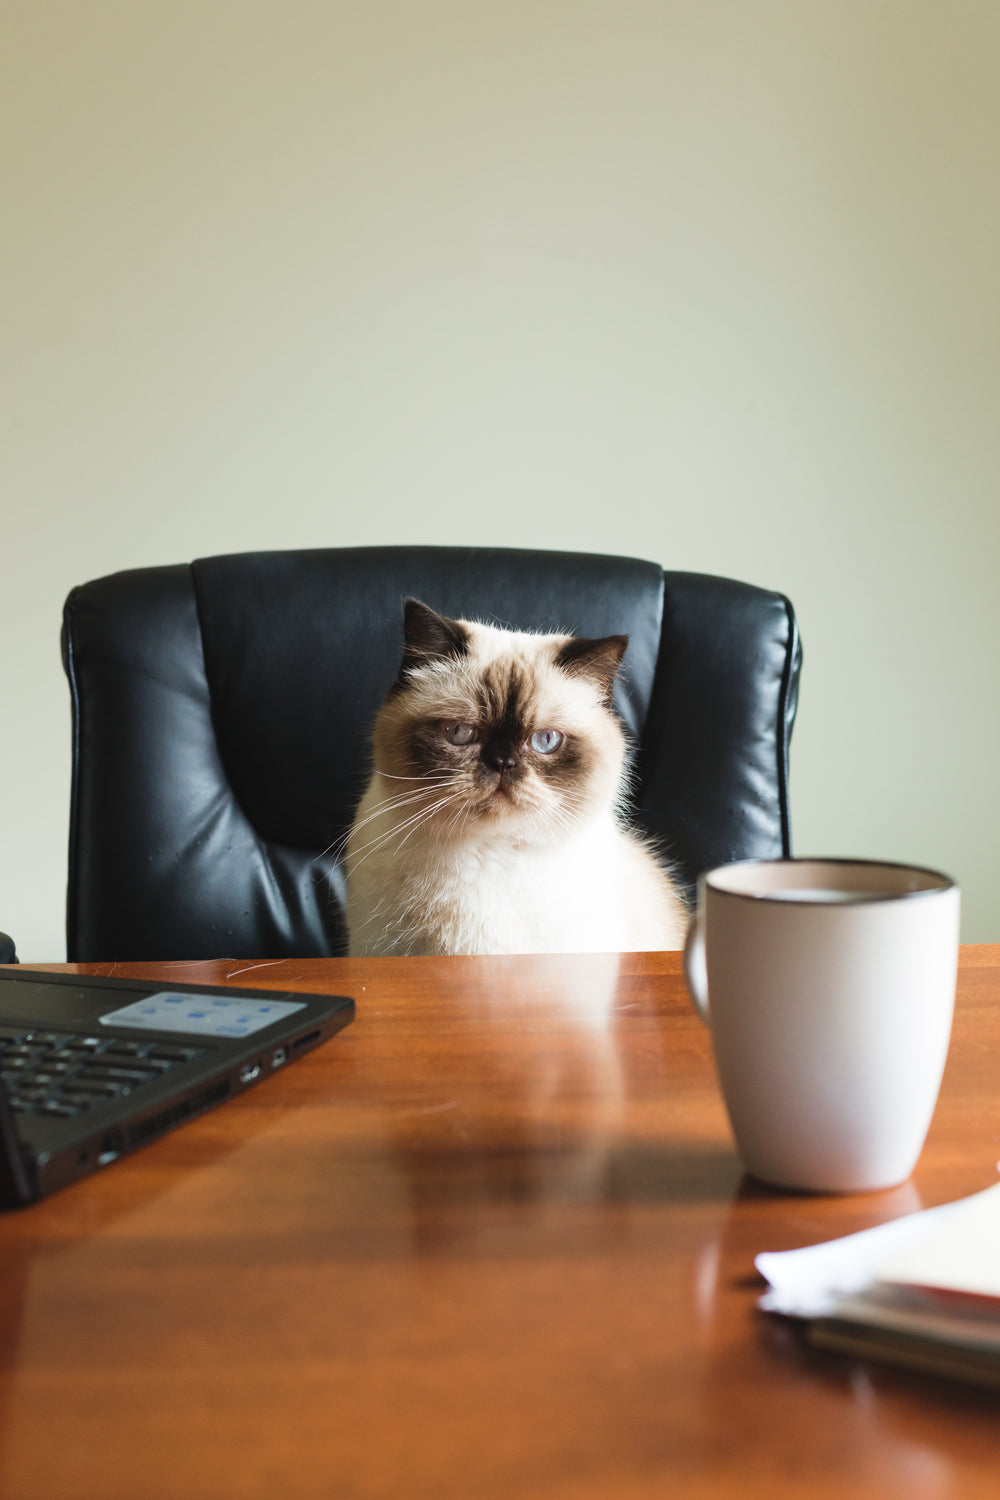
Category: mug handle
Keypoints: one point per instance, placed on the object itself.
(695, 969)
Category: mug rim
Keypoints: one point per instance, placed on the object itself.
(944, 882)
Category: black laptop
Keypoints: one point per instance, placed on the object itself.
(93, 1068)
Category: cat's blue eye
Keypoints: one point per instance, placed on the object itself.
(546, 741)
(458, 734)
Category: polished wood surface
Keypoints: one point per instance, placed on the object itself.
(491, 1241)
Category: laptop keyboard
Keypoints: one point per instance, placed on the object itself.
(66, 1073)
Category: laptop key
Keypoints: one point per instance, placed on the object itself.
(100, 1087)
(169, 1052)
(116, 1075)
(47, 1079)
(85, 1100)
(119, 1047)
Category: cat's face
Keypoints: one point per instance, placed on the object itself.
(512, 734)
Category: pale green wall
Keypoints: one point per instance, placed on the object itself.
(712, 283)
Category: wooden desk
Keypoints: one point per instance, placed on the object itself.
(492, 1241)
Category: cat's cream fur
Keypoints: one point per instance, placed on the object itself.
(497, 845)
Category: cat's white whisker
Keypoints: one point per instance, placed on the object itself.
(352, 861)
(417, 823)
(424, 776)
(398, 799)
(390, 804)
(415, 819)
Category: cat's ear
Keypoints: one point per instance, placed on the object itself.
(598, 659)
(428, 636)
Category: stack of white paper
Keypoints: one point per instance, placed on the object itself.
(922, 1291)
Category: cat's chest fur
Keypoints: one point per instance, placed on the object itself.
(597, 891)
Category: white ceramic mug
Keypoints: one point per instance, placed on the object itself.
(828, 986)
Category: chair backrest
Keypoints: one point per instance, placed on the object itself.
(221, 714)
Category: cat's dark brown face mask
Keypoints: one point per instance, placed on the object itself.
(502, 729)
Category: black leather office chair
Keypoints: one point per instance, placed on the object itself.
(7, 953)
(221, 712)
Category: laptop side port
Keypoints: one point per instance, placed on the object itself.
(249, 1072)
(279, 1057)
(309, 1040)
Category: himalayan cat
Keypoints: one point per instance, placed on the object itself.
(493, 820)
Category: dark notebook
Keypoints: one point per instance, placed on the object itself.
(93, 1068)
